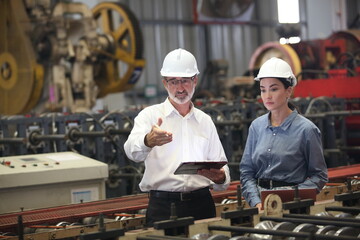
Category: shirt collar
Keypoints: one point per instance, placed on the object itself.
(169, 108)
(286, 124)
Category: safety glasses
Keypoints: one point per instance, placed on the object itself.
(186, 81)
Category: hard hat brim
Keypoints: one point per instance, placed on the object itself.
(292, 80)
(178, 74)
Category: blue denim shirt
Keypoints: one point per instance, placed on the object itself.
(291, 152)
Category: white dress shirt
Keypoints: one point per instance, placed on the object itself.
(195, 138)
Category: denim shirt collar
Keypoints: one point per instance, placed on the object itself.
(286, 124)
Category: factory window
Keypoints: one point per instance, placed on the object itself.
(288, 11)
(289, 19)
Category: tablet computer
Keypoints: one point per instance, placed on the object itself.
(192, 167)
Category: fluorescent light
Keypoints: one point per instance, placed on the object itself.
(288, 11)
(294, 40)
(291, 40)
(283, 40)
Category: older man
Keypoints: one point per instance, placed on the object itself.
(172, 132)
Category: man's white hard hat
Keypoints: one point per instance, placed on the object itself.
(179, 63)
(277, 68)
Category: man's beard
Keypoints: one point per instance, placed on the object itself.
(181, 100)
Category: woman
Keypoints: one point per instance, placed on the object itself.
(283, 148)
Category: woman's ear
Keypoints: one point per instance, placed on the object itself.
(289, 91)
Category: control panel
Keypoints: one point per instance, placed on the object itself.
(51, 179)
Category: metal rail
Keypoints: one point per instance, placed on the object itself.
(282, 233)
(344, 209)
(74, 212)
(336, 222)
(305, 216)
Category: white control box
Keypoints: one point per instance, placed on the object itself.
(48, 180)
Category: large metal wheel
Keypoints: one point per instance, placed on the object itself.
(275, 49)
(121, 63)
(351, 38)
(21, 78)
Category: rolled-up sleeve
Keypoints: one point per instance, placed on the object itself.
(248, 171)
(317, 169)
(216, 152)
(134, 146)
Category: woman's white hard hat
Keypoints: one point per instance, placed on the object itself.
(276, 68)
(179, 63)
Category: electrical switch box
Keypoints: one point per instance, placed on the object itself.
(50, 179)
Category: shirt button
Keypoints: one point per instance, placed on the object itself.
(274, 134)
(269, 149)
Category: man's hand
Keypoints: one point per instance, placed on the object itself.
(216, 175)
(157, 136)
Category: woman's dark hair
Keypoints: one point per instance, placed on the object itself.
(286, 84)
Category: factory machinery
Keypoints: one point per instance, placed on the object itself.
(101, 136)
(294, 214)
(29, 139)
(59, 57)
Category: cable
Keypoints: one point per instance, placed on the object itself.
(323, 99)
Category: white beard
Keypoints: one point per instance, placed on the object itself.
(181, 100)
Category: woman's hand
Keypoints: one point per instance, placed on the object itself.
(259, 206)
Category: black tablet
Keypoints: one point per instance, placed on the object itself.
(192, 167)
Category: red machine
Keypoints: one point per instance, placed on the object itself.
(327, 68)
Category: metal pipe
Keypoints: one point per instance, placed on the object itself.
(78, 134)
(20, 227)
(238, 197)
(119, 131)
(316, 222)
(12, 140)
(355, 148)
(89, 134)
(333, 113)
(258, 231)
(277, 232)
(155, 237)
(56, 137)
(343, 209)
(305, 216)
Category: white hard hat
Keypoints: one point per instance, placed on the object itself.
(277, 68)
(179, 63)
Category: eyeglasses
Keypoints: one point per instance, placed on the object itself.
(186, 81)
